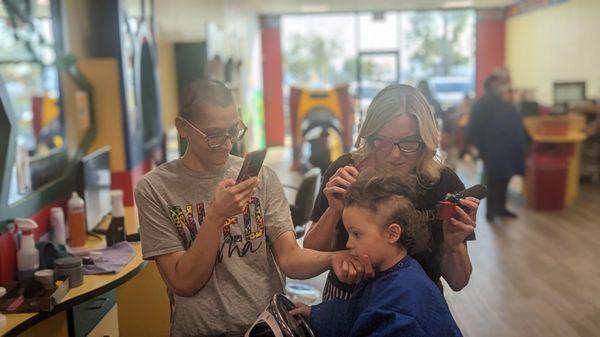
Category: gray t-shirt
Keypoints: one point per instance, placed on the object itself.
(172, 202)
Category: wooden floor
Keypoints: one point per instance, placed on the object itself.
(538, 275)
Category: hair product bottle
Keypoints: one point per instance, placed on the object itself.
(76, 218)
(116, 229)
(57, 221)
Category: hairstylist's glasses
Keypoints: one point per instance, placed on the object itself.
(217, 139)
(407, 145)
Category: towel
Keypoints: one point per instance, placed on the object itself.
(114, 258)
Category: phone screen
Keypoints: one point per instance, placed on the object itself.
(252, 164)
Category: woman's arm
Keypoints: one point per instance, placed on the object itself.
(186, 272)
(454, 256)
(456, 265)
(322, 233)
(302, 263)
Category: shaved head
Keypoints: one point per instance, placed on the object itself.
(201, 93)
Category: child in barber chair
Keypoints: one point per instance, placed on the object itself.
(399, 300)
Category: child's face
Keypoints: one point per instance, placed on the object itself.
(367, 236)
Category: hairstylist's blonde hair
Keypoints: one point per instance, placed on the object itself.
(394, 101)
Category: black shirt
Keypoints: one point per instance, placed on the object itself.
(426, 203)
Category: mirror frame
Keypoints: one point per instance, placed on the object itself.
(63, 184)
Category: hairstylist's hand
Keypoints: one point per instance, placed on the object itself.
(338, 184)
(350, 268)
(456, 230)
(301, 309)
(230, 199)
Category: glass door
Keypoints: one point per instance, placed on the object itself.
(375, 71)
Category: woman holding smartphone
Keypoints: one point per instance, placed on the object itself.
(399, 136)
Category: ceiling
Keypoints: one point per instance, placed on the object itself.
(314, 6)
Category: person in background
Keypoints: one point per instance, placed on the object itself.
(400, 300)
(399, 136)
(423, 87)
(462, 121)
(320, 154)
(452, 138)
(496, 130)
(220, 245)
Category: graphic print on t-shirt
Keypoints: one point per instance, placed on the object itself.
(237, 239)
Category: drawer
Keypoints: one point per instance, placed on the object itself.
(84, 317)
(108, 326)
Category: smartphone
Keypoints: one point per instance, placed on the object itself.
(252, 164)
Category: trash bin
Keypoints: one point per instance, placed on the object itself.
(547, 175)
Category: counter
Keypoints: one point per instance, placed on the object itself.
(93, 285)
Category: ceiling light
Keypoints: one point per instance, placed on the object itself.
(458, 4)
(314, 8)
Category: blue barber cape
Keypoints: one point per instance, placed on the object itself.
(401, 301)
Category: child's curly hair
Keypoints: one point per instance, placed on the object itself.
(391, 198)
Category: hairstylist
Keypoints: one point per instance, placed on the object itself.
(399, 136)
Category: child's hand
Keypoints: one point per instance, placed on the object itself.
(301, 309)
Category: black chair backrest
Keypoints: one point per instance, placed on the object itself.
(307, 194)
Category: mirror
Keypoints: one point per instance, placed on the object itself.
(46, 109)
(31, 78)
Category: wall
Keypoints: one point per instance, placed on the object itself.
(272, 79)
(179, 21)
(140, 314)
(490, 42)
(242, 25)
(185, 21)
(556, 43)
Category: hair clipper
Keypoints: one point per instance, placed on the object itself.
(446, 209)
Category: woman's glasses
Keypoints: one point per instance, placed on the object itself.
(386, 145)
(217, 139)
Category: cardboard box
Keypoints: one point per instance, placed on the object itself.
(15, 302)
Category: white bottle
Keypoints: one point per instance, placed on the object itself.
(116, 200)
(28, 257)
(57, 221)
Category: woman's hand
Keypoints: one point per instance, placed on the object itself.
(456, 230)
(301, 309)
(230, 199)
(350, 268)
(338, 184)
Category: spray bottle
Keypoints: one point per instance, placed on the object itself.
(28, 257)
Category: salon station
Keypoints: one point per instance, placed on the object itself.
(92, 100)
